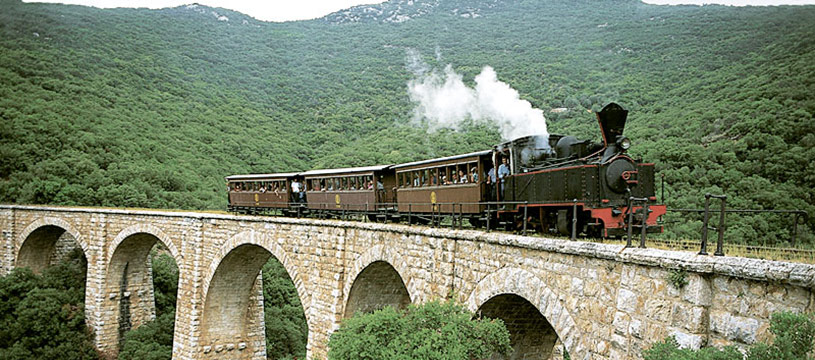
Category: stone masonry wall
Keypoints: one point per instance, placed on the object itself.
(603, 301)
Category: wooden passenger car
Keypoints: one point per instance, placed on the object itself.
(253, 193)
(428, 186)
(350, 189)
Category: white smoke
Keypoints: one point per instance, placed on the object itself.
(444, 101)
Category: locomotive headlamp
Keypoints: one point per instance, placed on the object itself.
(624, 142)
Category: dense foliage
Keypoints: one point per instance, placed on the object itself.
(286, 327)
(151, 108)
(432, 331)
(794, 340)
(43, 316)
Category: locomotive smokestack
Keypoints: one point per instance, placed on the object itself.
(442, 100)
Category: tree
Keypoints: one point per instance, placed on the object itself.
(286, 327)
(43, 316)
(433, 331)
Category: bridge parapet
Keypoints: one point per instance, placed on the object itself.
(601, 301)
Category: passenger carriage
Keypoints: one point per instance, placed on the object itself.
(258, 193)
(350, 190)
(428, 186)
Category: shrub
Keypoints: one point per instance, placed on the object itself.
(433, 331)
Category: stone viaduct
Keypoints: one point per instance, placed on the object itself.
(597, 301)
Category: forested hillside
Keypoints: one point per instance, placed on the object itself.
(152, 108)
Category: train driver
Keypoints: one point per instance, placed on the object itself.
(503, 172)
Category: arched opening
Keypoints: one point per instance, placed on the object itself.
(244, 306)
(153, 335)
(531, 335)
(46, 292)
(377, 286)
(45, 246)
(131, 294)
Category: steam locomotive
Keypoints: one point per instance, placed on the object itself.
(555, 184)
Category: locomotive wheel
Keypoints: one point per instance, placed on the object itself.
(564, 223)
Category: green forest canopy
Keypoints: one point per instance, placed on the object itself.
(152, 108)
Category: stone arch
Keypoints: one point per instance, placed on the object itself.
(527, 286)
(262, 240)
(385, 254)
(37, 241)
(145, 229)
(377, 286)
(128, 293)
(232, 318)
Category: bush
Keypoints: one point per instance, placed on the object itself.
(794, 340)
(433, 331)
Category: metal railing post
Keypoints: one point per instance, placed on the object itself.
(644, 223)
(526, 203)
(630, 221)
(574, 220)
(460, 216)
(488, 216)
(453, 216)
(720, 242)
(705, 220)
(410, 208)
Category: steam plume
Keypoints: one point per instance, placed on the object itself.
(444, 101)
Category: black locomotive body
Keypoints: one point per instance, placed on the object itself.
(562, 180)
(555, 183)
